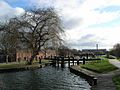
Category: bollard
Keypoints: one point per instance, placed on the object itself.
(58, 61)
(39, 60)
(83, 61)
(51, 57)
(68, 61)
(77, 62)
(73, 60)
(95, 81)
(62, 62)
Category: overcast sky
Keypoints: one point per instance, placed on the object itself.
(86, 22)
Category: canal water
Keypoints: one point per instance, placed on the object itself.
(48, 78)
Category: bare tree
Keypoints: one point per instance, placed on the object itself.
(9, 39)
(64, 51)
(116, 50)
(37, 27)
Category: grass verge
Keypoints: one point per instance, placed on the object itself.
(101, 66)
(20, 64)
(116, 80)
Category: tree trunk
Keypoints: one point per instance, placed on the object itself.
(45, 54)
(32, 58)
(6, 58)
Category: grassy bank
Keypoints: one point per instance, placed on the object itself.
(20, 64)
(116, 80)
(101, 66)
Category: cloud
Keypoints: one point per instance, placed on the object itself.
(86, 22)
(72, 23)
(41, 3)
(67, 11)
(6, 11)
(111, 8)
(88, 41)
(87, 10)
(88, 36)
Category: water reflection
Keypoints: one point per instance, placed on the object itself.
(48, 78)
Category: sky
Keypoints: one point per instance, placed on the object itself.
(86, 22)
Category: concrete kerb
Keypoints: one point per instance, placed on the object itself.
(88, 75)
(99, 81)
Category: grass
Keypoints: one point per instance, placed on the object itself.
(118, 59)
(19, 64)
(11, 65)
(116, 80)
(109, 56)
(101, 66)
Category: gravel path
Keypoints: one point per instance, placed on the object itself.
(115, 62)
(105, 80)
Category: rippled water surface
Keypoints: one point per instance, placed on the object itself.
(47, 78)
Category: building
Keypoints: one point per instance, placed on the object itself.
(7, 58)
(26, 54)
(95, 51)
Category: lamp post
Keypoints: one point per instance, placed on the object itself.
(97, 49)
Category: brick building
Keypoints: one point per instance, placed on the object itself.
(26, 54)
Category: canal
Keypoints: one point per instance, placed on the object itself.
(48, 78)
